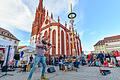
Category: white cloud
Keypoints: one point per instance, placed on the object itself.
(14, 12)
(59, 6)
(17, 13)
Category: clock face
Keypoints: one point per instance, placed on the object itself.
(46, 22)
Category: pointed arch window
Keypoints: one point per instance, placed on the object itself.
(67, 44)
(46, 34)
(54, 42)
(62, 43)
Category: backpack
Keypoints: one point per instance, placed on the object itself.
(51, 70)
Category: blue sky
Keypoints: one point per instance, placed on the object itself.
(95, 19)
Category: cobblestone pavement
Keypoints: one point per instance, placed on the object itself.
(84, 73)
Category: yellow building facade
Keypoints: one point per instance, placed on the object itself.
(108, 44)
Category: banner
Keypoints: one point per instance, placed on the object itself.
(11, 55)
(21, 55)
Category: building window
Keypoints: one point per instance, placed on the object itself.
(15, 42)
(46, 34)
(54, 42)
(8, 34)
(5, 33)
(67, 44)
(62, 43)
(2, 32)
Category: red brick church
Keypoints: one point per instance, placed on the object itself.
(66, 40)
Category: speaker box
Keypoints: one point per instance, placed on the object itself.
(51, 70)
(4, 68)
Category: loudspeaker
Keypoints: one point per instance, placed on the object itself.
(4, 68)
(17, 57)
(51, 70)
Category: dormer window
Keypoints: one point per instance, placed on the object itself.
(2, 32)
(8, 34)
(15, 41)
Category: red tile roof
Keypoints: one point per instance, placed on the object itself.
(8, 34)
(107, 39)
(101, 42)
(20, 47)
(112, 37)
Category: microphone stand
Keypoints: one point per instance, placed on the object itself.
(6, 65)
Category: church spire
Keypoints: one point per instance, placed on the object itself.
(40, 7)
(47, 13)
(52, 15)
(58, 19)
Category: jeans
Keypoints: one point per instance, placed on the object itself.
(42, 60)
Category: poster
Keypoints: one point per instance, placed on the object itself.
(1, 55)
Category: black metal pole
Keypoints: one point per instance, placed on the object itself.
(7, 59)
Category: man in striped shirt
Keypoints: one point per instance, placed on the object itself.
(40, 51)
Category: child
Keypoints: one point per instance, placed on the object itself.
(105, 64)
(97, 63)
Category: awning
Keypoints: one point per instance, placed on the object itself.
(4, 44)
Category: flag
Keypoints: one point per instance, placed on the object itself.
(11, 55)
(21, 55)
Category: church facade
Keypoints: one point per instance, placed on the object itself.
(66, 40)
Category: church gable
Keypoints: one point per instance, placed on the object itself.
(47, 21)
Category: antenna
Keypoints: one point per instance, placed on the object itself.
(71, 7)
(72, 14)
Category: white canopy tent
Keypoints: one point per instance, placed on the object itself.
(28, 51)
(5, 44)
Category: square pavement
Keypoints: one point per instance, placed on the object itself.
(84, 73)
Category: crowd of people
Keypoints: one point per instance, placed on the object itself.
(104, 59)
(66, 62)
(100, 59)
